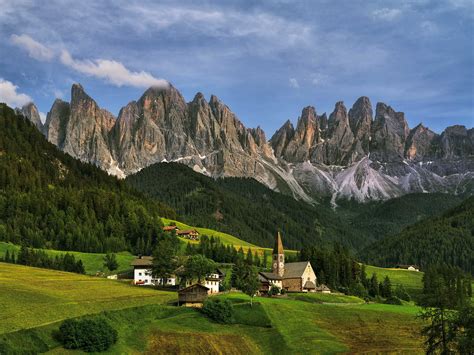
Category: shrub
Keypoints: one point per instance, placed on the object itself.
(219, 310)
(357, 289)
(90, 335)
(401, 293)
(282, 291)
(274, 290)
(393, 300)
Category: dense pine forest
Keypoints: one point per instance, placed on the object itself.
(447, 239)
(241, 206)
(252, 212)
(50, 200)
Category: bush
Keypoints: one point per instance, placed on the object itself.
(401, 293)
(393, 300)
(219, 310)
(357, 289)
(274, 290)
(90, 335)
(282, 291)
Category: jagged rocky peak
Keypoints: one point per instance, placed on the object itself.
(360, 120)
(457, 142)
(282, 137)
(30, 111)
(339, 144)
(347, 155)
(389, 133)
(419, 143)
(87, 129)
(56, 122)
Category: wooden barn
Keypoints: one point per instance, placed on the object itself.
(192, 296)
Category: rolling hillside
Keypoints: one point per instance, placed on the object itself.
(146, 323)
(448, 238)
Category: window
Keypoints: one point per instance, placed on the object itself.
(146, 281)
(281, 257)
(139, 274)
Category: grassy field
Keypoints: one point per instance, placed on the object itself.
(271, 326)
(411, 280)
(31, 297)
(93, 262)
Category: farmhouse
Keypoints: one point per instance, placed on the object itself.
(292, 277)
(191, 234)
(142, 274)
(409, 267)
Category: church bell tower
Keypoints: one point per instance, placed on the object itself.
(278, 261)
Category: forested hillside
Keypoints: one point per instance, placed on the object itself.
(377, 219)
(49, 199)
(242, 207)
(253, 212)
(448, 238)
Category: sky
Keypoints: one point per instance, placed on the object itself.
(265, 59)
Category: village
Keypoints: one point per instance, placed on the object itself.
(284, 276)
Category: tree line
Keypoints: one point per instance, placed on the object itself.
(39, 258)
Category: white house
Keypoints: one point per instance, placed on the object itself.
(142, 274)
(211, 281)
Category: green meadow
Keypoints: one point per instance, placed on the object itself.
(38, 300)
(93, 262)
(411, 280)
(31, 297)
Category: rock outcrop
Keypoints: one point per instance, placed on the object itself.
(348, 155)
(31, 112)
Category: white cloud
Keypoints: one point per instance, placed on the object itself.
(112, 71)
(386, 14)
(294, 83)
(35, 49)
(10, 96)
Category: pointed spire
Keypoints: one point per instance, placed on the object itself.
(278, 248)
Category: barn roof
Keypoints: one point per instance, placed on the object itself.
(294, 270)
(142, 261)
(190, 288)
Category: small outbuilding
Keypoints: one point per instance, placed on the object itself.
(192, 296)
(323, 289)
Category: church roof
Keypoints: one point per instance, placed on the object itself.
(270, 275)
(278, 248)
(294, 270)
(309, 285)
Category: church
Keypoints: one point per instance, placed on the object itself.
(292, 277)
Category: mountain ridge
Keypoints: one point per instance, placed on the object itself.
(349, 155)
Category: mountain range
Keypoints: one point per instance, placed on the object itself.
(350, 154)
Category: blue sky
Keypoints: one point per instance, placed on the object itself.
(265, 60)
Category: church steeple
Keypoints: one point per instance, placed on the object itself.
(278, 260)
